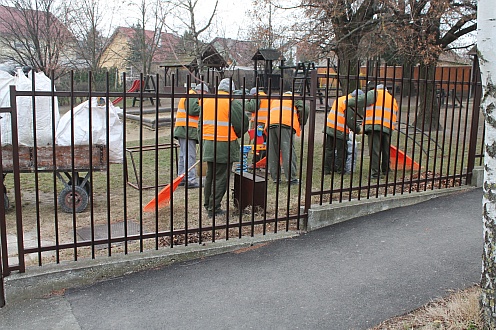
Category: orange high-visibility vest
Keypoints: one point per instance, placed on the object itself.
(383, 111)
(263, 112)
(337, 115)
(285, 114)
(221, 120)
(182, 114)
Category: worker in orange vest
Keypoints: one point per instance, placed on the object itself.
(186, 132)
(339, 121)
(286, 117)
(379, 122)
(223, 122)
(259, 107)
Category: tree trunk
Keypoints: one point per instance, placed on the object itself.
(428, 116)
(349, 68)
(407, 80)
(486, 21)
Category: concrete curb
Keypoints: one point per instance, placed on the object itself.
(47, 280)
(326, 215)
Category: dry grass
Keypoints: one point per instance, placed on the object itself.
(458, 311)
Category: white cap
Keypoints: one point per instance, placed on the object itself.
(201, 86)
(357, 91)
(225, 83)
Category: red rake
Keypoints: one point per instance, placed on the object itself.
(164, 195)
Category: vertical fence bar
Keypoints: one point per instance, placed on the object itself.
(107, 164)
(243, 163)
(415, 120)
(474, 129)
(399, 117)
(175, 78)
(141, 89)
(125, 168)
(54, 172)
(3, 224)
(17, 180)
(444, 133)
(200, 147)
(3, 229)
(291, 143)
(434, 107)
(465, 124)
(73, 172)
(311, 144)
(36, 173)
(437, 96)
(267, 142)
(90, 155)
(157, 104)
(229, 155)
(2, 290)
(457, 156)
(314, 88)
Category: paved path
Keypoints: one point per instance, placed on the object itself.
(349, 276)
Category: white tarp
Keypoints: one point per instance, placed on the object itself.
(81, 115)
(42, 106)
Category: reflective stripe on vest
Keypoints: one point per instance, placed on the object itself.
(289, 116)
(182, 114)
(225, 131)
(262, 112)
(338, 114)
(383, 112)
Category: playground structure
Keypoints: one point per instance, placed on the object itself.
(148, 85)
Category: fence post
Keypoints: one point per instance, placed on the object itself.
(17, 178)
(3, 230)
(474, 129)
(2, 290)
(311, 142)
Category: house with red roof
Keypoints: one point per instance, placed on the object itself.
(34, 38)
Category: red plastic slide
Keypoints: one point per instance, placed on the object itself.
(134, 87)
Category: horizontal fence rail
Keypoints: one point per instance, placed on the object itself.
(110, 178)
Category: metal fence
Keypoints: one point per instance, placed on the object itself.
(85, 198)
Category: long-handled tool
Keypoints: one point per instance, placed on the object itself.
(163, 197)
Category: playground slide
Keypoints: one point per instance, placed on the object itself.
(134, 87)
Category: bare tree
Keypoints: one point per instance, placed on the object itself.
(89, 20)
(262, 31)
(186, 13)
(487, 53)
(146, 40)
(32, 35)
(417, 32)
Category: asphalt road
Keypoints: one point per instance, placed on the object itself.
(352, 275)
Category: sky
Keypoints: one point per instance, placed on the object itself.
(230, 20)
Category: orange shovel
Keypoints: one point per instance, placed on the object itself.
(163, 197)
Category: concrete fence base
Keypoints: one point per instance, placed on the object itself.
(326, 215)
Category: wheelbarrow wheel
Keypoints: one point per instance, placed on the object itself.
(79, 182)
(80, 199)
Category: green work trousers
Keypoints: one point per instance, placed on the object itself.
(379, 143)
(335, 154)
(286, 149)
(219, 180)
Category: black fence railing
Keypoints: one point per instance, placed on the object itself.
(112, 179)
